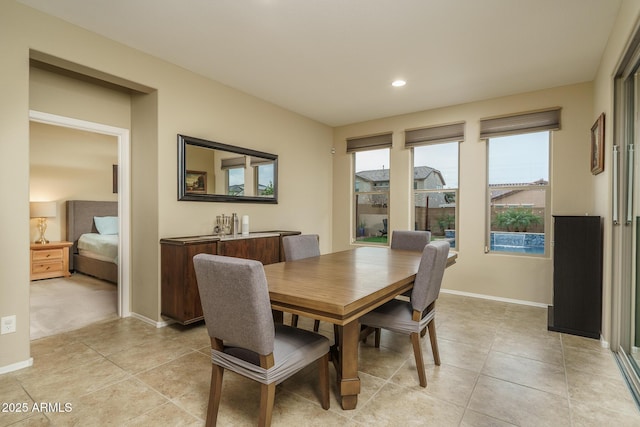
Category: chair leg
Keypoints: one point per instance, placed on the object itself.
(214, 395)
(267, 397)
(434, 342)
(316, 325)
(323, 363)
(294, 320)
(417, 352)
(377, 337)
(365, 331)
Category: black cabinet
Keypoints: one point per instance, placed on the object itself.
(577, 276)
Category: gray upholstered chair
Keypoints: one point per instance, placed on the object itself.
(244, 338)
(411, 317)
(409, 240)
(299, 247)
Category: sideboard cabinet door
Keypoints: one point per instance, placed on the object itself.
(180, 299)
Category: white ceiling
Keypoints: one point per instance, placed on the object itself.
(334, 60)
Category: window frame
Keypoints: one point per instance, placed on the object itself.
(415, 191)
(520, 186)
(355, 194)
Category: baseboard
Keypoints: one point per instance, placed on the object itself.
(16, 366)
(493, 298)
(145, 319)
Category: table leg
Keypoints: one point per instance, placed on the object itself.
(348, 380)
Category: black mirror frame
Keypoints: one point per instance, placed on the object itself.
(183, 140)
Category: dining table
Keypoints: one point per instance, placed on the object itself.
(339, 288)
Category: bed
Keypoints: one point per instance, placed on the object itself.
(80, 220)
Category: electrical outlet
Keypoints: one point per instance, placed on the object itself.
(7, 325)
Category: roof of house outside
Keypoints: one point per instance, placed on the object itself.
(382, 175)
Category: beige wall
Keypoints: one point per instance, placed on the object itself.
(184, 103)
(505, 276)
(68, 164)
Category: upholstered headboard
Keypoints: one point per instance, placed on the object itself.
(80, 215)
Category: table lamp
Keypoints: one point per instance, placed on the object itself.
(42, 211)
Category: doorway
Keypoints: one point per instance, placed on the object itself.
(123, 188)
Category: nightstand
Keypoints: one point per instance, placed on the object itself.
(50, 260)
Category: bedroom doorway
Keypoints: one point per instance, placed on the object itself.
(123, 180)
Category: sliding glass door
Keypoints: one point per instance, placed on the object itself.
(626, 222)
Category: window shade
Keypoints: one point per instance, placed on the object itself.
(258, 161)
(372, 142)
(520, 123)
(233, 162)
(434, 134)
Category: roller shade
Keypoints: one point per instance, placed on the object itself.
(258, 161)
(434, 134)
(233, 162)
(520, 123)
(372, 142)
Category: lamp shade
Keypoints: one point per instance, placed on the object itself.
(43, 209)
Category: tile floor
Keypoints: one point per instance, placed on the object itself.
(500, 367)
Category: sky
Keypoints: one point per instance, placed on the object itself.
(513, 159)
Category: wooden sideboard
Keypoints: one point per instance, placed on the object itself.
(179, 288)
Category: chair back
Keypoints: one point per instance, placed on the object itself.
(235, 301)
(410, 240)
(426, 287)
(301, 246)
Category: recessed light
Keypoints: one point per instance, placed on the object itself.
(398, 83)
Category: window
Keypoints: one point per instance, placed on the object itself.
(518, 188)
(235, 181)
(435, 185)
(371, 196)
(435, 178)
(264, 179)
(370, 187)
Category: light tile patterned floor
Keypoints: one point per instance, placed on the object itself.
(500, 367)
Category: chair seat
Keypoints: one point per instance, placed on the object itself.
(293, 350)
(396, 315)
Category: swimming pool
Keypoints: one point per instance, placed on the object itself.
(525, 243)
(534, 250)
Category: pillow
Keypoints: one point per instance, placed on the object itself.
(106, 224)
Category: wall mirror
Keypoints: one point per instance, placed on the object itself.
(210, 171)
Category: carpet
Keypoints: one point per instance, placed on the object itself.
(65, 304)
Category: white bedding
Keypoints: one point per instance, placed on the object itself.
(103, 247)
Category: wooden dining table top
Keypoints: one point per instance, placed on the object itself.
(339, 287)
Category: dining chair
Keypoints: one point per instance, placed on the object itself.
(409, 240)
(411, 317)
(297, 247)
(244, 338)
